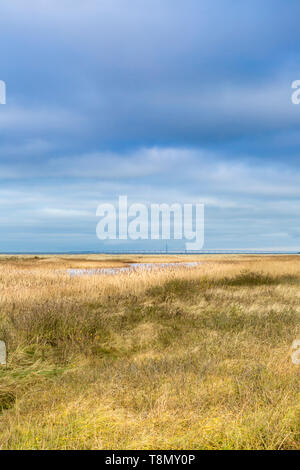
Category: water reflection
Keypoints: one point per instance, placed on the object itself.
(134, 267)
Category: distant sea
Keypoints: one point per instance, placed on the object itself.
(155, 252)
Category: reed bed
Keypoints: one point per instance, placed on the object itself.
(176, 358)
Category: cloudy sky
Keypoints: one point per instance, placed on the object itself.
(162, 100)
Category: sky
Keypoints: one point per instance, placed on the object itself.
(160, 100)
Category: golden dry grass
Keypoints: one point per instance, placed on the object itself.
(171, 359)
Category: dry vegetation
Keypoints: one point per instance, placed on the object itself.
(174, 359)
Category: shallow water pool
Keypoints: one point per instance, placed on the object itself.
(134, 267)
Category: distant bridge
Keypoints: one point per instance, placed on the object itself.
(201, 252)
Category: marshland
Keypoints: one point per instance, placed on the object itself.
(180, 357)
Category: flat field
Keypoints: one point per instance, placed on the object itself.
(176, 358)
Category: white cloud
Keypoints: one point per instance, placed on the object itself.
(37, 119)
